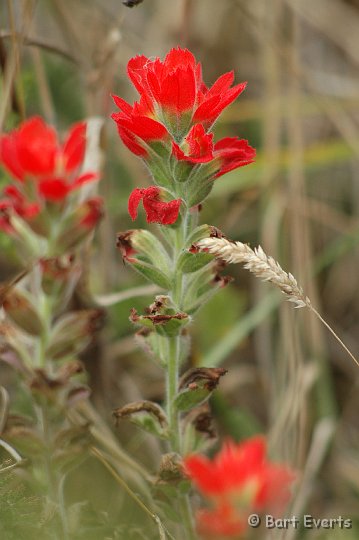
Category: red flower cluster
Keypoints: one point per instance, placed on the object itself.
(45, 170)
(169, 125)
(238, 481)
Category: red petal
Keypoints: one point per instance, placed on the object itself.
(93, 209)
(274, 493)
(222, 84)
(9, 157)
(134, 201)
(53, 189)
(37, 147)
(203, 473)
(157, 211)
(84, 179)
(228, 98)
(14, 193)
(122, 104)
(205, 110)
(145, 128)
(74, 146)
(200, 144)
(18, 202)
(136, 69)
(232, 153)
(178, 90)
(177, 57)
(177, 152)
(162, 212)
(220, 522)
(130, 140)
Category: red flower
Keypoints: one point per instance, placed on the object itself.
(173, 93)
(198, 146)
(176, 85)
(240, 480)
(46, 171)
(225, 155)
(169, 125)
(34, 150)
(157, 211)
(232, 153)
(15, 202)
(136, 129)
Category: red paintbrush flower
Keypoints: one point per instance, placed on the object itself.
(175, 84)
(169, 125)
(34, 150)
(239, 480)
(46, 171)
(173, 97)
(157, 211)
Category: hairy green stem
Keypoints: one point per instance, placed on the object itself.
(173, 367)
(53, 479)
(172, 389)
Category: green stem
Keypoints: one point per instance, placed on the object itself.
(173, 367)
(172, 389)
(53, 480)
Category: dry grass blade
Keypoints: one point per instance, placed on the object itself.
(163, 532)
(266, 268)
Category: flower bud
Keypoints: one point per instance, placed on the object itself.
(147, 255)
(80, 223)
(20, 308)
(73, 332)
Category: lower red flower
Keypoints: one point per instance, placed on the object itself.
(238, 481)
(157, 211)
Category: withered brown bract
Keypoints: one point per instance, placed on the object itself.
(6, 286)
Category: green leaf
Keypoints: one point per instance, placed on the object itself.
(153, 274)
(197, 384)
(148, 244)
(192, 262)
(203, 231)
(188, 399)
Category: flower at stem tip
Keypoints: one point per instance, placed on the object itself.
(170, 125)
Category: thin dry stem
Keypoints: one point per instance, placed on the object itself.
(266, 268)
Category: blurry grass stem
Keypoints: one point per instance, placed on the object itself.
(13, 62)
(163, 531)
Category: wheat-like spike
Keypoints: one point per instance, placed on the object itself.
(266, 268)
(261, 265)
